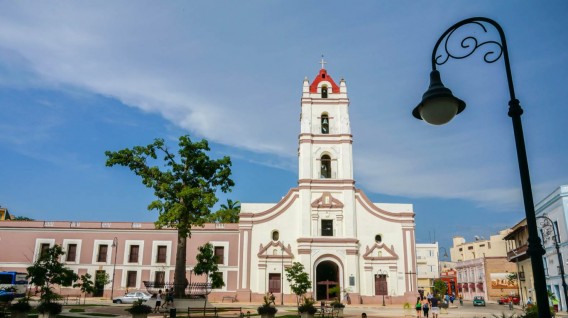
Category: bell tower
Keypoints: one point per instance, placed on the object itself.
(325, 141)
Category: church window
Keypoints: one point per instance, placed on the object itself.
(324, 124)
(378, 238)
(326, 227)
(275, 235)
(324, 91)
(325, 167)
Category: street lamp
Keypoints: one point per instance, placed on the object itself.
(553, 227)
(439, 106)
(385, 274)
(115, 246)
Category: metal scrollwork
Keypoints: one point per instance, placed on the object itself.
(468, 45)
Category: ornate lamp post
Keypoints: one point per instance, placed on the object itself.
(115, 246)
(552, 230)
(439, 106)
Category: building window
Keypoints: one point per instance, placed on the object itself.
(324, 91)
(159, 279)
(324, 124)
(470, 247)
(131, 279)
(161, 256)
(378, 238)
(43, 249)
(275, 235)
(133, 257)
(71, 253)
(325, 167)
(102, 257)
(220, 254)
(326, 227)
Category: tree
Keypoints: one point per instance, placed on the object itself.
(86, 285)
(440, 288)
(299, 280)
(207, 264)
(48, 271)
(22, 218)
(228, 213)
(185, 188)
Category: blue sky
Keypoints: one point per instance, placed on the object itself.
(78, 78)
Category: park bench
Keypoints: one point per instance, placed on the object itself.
(71, 299)
(215, 312)
(231, 298)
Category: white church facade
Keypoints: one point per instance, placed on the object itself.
(327, 224)
(342, 238)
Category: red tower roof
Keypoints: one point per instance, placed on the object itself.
(322, 77)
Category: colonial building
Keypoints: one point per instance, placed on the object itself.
(517, 246)
(551, 213)
(343, 239)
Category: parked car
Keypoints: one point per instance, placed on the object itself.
(478, 301)
(131, 297)
(504, 300)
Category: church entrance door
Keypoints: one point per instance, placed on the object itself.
(381, 286)
(327, 278)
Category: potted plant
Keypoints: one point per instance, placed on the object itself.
(338, 307)
(49, 309)
(21, 308)
(267, 310)
(139, 310)
(307, 308)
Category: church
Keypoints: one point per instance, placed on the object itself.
(345, 242)
(343, 239)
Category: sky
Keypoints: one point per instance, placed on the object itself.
(78, 78)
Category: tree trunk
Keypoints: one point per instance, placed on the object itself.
(180, 281)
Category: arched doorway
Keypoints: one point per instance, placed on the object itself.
(327, 277)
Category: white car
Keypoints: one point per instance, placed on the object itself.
(131, 297)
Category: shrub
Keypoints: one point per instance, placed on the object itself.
(337, 304)
(139, 308)
(50, 308)
(23, 305)
(308, 306)
(267, 308)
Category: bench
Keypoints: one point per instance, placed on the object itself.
(231, 298)
(215, 312)
(327, 311)
(71, 299)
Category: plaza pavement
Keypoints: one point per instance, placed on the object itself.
(351, 311)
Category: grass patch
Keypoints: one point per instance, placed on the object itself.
(76, 310)
(96, 314)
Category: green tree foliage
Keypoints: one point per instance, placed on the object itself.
(207, 264)
(48, 271)
(299, 280)
(22, 218)
(185, 187)
(440, 288)
(86, 285)
(228, 213)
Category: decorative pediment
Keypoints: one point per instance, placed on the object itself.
(380, 252)
(327, 201)
(275, 250)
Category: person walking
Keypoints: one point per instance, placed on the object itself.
(425, 307)
(418, 307)
(158, 301)
(434, 307)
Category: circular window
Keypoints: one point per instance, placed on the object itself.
(378, 238)
(275, 235)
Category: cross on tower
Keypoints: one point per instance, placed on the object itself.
(322, 62)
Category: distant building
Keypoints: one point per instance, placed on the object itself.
(427, 264)
(482, 267)
(517, 245)
(4, 214)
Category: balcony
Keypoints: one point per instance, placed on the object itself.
(518, 254)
